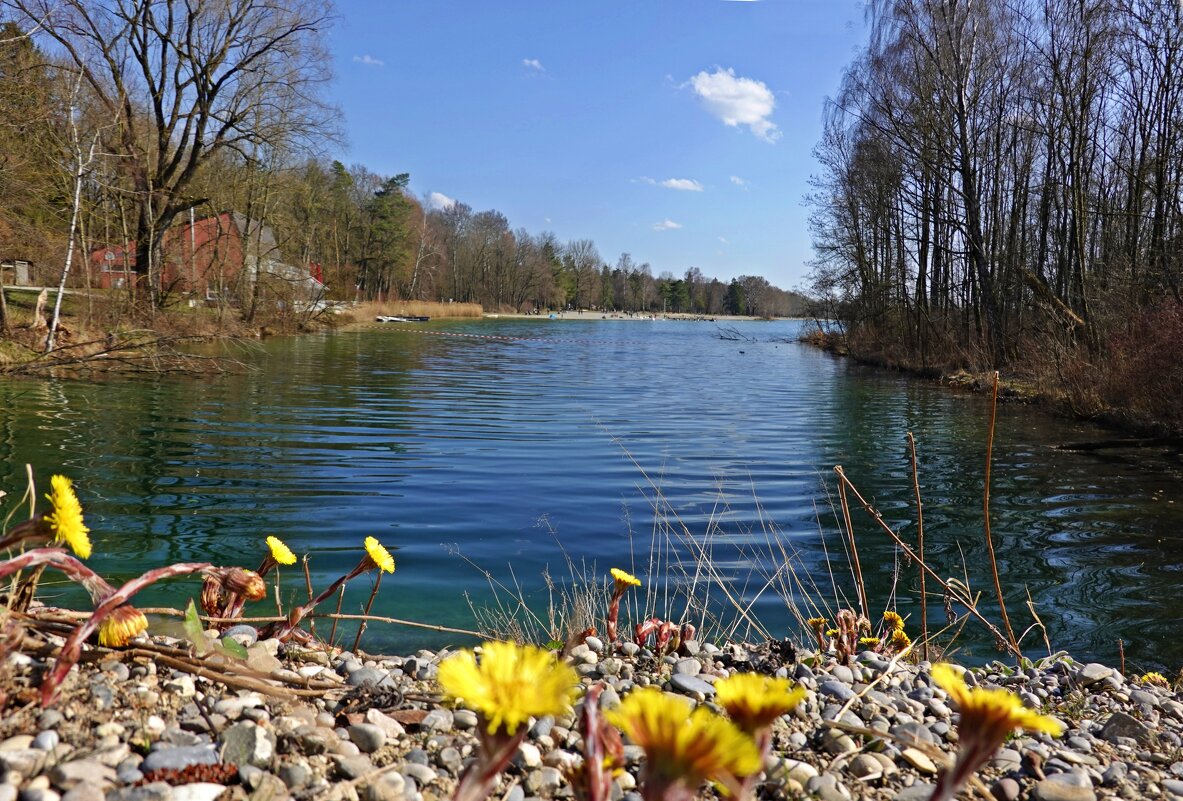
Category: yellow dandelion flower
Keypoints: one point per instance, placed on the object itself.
(279, 552)
(683, 745)
(832, 632)
(510, 684)
(869, 642)
(121, 626)
(754, 700)
(816, 622)
(66, 517)
(990, 714)
(624, 580)
(893, 620)
(1155, 678)
(899, 639)
(379, 555)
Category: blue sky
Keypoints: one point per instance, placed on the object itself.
(680, 132)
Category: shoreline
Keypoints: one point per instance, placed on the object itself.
(128, 727)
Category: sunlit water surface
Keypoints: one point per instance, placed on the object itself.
(502, 445)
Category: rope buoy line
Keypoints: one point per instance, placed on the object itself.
(429, 332)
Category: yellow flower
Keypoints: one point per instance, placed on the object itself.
(624, 580)
(816, 622)
(66, 517)
(379, 555)
(869, 642)
(510, 684)
(681, 745)
(832, 632)
(280, 552)
(893, 620)
(1155, 678)
(990, 715)
(899, 639)
(121, 626)
(754, 700)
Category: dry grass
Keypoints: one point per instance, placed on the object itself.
(367, 311)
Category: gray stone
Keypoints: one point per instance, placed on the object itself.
(179, 757)
(390, 786)
(438, 719)
(83, 792)
(836, 689)
(1006, 789)
(39, 794)
(544, 782)
(197, 791)
(49, 719)
(921, 791)
(389, 726)
(464, 719)
(46, 740)
(251, 776)
(350, 767)
(688, 667)
(691, 685)
(1051, 790)
(367, 737)
(1173, 786)
(912, 732)
(1071, 777)
(1122, 725)
(370, 677)
(423, 774)
(594, 643)
(156, 791)
(243, 634)
(865, 767)
(1092, 673)
(919, 760)
(313, 740)
(82, 771)
(1115, 774)
(25, 761)
(7, 792)
(295, 775)
(842, 673)
(247, 744)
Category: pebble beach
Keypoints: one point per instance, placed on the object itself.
(128, 727)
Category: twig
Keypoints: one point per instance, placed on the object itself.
(920, 547)
(361, 628)
(308, 586)
(858, 569)
(986, 521)
(958, 596)
(276, 619)
(333, 630)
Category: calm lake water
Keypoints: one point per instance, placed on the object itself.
(509, 446)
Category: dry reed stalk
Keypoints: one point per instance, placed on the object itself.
(947, 586)
(333, 630)
(308, 587)
(368, 310)
(858, 568)
(919, 547)
(164, 610)
(361, 629)
(986, 520)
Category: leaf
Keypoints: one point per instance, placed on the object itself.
(554, 645)
(234, 647)
(194, 631)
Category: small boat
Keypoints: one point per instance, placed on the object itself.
(388, 318)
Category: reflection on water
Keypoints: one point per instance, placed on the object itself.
(429, 441)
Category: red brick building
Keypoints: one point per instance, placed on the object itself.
(212, 257)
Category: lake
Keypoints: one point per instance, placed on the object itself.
(504, 448)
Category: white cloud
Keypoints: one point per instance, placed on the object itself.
(735, 179)
(682, 184)
(666, 225)
(723, 240)
(438, 200)
(737, 101)
(533, 64)
(369, 61)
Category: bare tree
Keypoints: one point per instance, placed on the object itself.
(186, 80)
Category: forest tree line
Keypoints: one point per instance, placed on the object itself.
(1001, 185)
(119, 121)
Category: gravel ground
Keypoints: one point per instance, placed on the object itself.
(127, 728)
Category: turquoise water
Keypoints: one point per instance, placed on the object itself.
(507, 446)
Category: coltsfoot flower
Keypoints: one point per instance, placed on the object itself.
(893, 620)
(510, 684)
(754, 700)
(683, 748)
(1154, 678)
(624, 580)
(281, 553)
(66, 518)
(987, 717)
(121, 626)
(899, 640)
(379, 555)
(869, 642)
